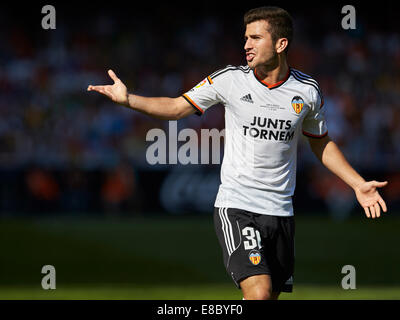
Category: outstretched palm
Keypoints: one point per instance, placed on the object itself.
(370, 199)
(116, 92)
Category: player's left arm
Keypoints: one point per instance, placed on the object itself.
(366, 192)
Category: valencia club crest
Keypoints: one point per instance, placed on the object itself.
(255, 257)
(297, 104)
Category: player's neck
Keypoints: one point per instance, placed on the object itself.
(274, 74)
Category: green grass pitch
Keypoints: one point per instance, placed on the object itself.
(168, 257)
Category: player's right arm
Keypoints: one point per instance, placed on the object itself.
(161, 107)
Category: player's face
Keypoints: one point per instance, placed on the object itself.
(259, 47)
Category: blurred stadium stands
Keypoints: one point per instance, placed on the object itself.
(63, 149)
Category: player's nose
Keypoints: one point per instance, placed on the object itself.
(247, 45)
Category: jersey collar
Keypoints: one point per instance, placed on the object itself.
(275, 85)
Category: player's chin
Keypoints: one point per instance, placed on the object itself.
(251, 64)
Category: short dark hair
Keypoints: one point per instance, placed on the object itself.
(280, 22)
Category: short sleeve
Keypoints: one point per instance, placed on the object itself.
(206, 93)
(314, 124)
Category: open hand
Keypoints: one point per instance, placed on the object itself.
(370, 199)
(116, 92)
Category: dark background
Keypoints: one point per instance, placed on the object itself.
(66, 152)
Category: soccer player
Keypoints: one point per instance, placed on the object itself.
(268, 105)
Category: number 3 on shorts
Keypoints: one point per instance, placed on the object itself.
(253, 238)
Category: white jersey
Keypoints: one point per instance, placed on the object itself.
(263, 123)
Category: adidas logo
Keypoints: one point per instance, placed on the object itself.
(247, 98)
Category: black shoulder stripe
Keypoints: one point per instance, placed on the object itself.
(305, 80)
(245, 69)
(219, 70)
(229, 68)
(300, 73)
(309, 83)
(304, 76)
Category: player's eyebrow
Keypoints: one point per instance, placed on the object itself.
(253, 36)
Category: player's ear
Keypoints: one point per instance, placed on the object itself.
(281, 45)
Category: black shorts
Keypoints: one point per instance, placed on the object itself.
(255, 244)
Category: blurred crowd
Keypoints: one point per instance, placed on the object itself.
(48, 119)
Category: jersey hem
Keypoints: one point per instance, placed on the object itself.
(218, 205)
(307, 134)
